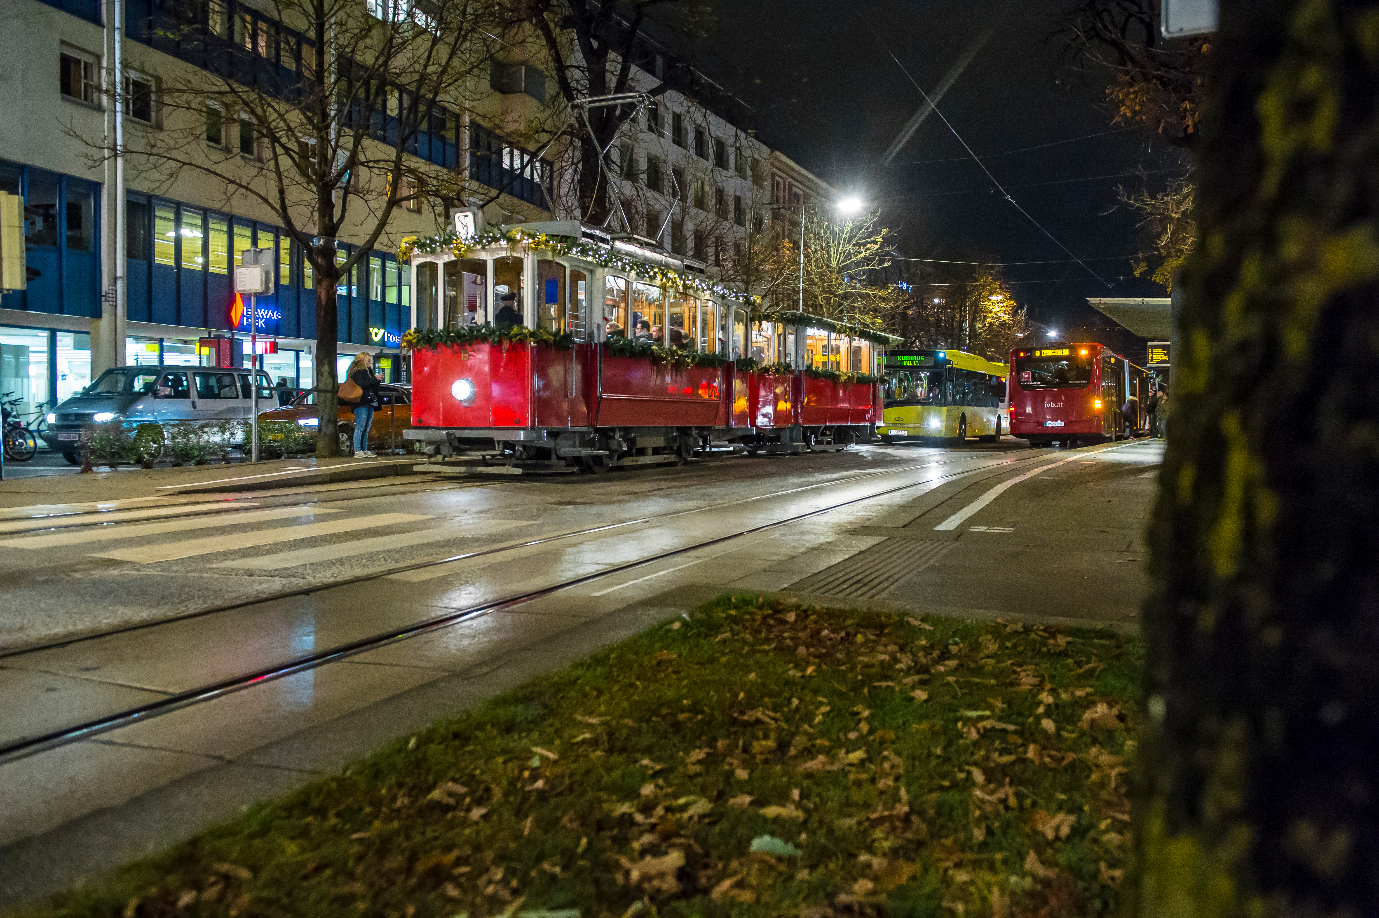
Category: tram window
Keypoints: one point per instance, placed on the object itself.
(707, 337)
(470, 305)
(550, 289)
(679, 319)
(763, 345)
(787, 346)
(815, 348)
(739, 333)
(648, 313)
(428, 276)
(615, 306)
(577, 309)
(507, 278)
(1053, 371)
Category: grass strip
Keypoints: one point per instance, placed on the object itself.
(762, 758)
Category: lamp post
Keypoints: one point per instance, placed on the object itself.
(850, 206)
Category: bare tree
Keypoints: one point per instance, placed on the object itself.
(598, 49)
(313, 113)
(843, 267)
(978, 314)
(1168, 228)
(1153, 81)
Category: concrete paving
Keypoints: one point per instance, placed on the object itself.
(1061, 545)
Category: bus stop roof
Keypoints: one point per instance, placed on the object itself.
(1148, 317)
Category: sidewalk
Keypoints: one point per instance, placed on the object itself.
(126, 484)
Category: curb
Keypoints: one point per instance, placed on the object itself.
(363, 471)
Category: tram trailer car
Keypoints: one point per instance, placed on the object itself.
(1075, 393)
(583, 391)
(943, 395)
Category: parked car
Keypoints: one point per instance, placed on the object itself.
(157, 394)
(385, 432)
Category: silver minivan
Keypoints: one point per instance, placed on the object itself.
(136, 395)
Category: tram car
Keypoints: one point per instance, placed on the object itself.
(557, 345)
(1076, 393)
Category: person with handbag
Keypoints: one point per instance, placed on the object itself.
(360, 391)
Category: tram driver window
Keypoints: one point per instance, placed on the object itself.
(615, 307)
(507, 278)
(577, 310)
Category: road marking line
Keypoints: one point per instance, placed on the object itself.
(43, 511)
(125, 532)
(669, 570)
(173, 551)
(365, 546)
(957, 519)
(118, 516)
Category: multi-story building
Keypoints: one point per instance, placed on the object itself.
(182, 233)
(795, 190)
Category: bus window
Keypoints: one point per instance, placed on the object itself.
(507, 278)
(914, 387)
(577, 310)
(1057, 368)
(615, 307)
(648, 313)
(550, 293)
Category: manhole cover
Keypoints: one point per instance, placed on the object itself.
(871, 573)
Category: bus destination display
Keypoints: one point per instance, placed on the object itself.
(909, 360)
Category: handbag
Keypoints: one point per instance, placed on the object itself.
(350, 391)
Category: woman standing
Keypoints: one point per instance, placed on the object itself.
(361, 391)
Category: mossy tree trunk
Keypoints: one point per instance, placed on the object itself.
(1260, 762)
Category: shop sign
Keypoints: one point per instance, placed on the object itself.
(268, 315)
(382, 336)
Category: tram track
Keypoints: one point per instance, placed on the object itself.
(54, 738)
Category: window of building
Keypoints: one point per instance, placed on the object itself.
(701, 245)
(680, 189)
(720, 203)
(653, 224)
(624, 162)
(701, 143)
(192, 237)
(739, 214)
(701, 195)
(507, 168)
(137, 233)
(140, 98)
(248, 142)
(40, 211)
(677, 236)
(653, 117)
(740, 162)
(80, 205)
(80, 77)
(215, 126)
(718, 252)
(218, 245)
(758, 173)
(518, 79)
(165, 235)
(720, 153)
(653, 173)
(677, 129)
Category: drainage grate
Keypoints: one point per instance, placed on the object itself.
(871, 573)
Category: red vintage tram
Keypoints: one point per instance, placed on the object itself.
(1075, 393)
(555, 344)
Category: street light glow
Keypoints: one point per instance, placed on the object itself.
(1052, 333)
(850, 206)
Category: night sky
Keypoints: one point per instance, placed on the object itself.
(828, 94)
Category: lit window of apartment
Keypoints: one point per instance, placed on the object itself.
(215, 126)
(141, 98)
(80, 77)
(720, 154)
(677, 129)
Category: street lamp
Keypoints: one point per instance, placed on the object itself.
(1052, 333)
(850, 206)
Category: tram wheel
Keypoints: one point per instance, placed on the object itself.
(595, 465)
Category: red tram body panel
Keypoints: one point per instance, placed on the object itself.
(638, 393)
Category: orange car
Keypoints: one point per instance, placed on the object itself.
(389, 421)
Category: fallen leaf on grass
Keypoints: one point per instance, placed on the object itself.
(742, 774)
(919, 695)
(719, 890)
(698, 755)
(589, 720)
(1052, 826)
(741, 802)
(448, 793)
(546, 752)
(769, 844)
(477, 813)
(233, 870)
(1036, 869)
(1101, 716)
(781, 812)
(1048, 725)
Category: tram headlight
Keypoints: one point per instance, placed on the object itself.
(463, 390)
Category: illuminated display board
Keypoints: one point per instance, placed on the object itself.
(910, 360)
(1053, 352)
(1158, 353)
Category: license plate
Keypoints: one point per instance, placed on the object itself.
(1053, 423)
(68, 436)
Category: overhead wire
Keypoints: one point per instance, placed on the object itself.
(1073, 181)
(979, 162)
(1041, 146)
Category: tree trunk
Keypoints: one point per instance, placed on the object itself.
(327, 279)
(1259, 765)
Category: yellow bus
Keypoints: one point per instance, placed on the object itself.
(946, 395)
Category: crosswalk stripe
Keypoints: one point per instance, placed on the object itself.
(118, 516)
(173, 551)
(125, 532)
(92, 506)
(366, 546)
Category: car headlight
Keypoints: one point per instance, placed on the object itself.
(102, 417)
(52, 418)
(463, 390)
(308, 422)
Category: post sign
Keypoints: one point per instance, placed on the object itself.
(1158, 354)
(1183, 18)
(12, 267)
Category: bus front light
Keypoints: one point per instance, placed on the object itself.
(1096, 403)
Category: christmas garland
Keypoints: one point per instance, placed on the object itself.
(775, 369)
(668, 356)
(562, 247)
(486, 334)
(835, 376)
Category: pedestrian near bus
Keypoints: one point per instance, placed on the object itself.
(1151, 407)
(360, 391)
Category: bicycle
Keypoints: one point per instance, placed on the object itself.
(20, 439)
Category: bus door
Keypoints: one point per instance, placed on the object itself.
(1112, 395)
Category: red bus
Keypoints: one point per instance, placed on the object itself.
(1074, 394)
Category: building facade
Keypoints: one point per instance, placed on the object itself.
(183, 237)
